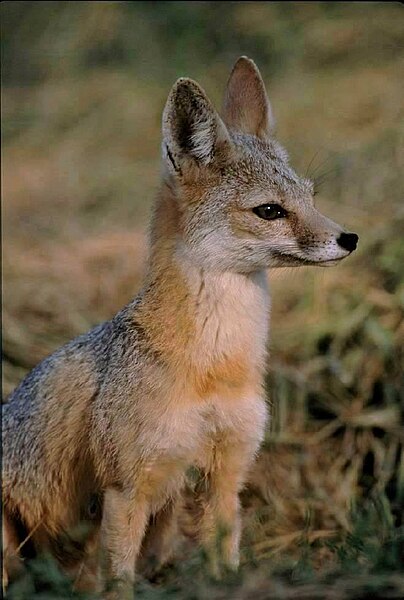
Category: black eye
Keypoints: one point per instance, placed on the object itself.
(270, 211)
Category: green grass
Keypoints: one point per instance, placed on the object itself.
(367, 562)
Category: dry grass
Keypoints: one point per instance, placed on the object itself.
(80, 167)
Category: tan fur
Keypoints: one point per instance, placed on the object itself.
(175, 379)
(246, 105)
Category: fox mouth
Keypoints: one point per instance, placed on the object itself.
(329, 262)
(293, 260)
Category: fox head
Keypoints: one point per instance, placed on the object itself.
(240, 206)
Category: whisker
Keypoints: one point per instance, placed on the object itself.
(310, 163)
(320, 165)
(320, 179)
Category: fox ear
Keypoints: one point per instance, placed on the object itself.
(192, 128)
(246, 106)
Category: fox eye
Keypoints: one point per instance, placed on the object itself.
(269, 212)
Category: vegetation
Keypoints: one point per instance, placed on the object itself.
(83, 89)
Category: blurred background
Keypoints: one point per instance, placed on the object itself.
(83, 88)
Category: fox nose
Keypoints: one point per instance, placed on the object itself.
(348, 241)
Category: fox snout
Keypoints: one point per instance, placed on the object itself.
(348, 241)
(321, 240)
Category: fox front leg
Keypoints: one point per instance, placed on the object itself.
(124, 523)
(160, 539)
(218, 497)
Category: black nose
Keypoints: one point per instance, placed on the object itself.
(348, 241)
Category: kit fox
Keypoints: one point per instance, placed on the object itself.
(103, 430)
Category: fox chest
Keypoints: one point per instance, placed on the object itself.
(188, 435)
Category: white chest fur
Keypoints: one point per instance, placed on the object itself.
(231, 313)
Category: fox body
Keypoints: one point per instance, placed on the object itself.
(104, 429)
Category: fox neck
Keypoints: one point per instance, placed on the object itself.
(200, 319)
